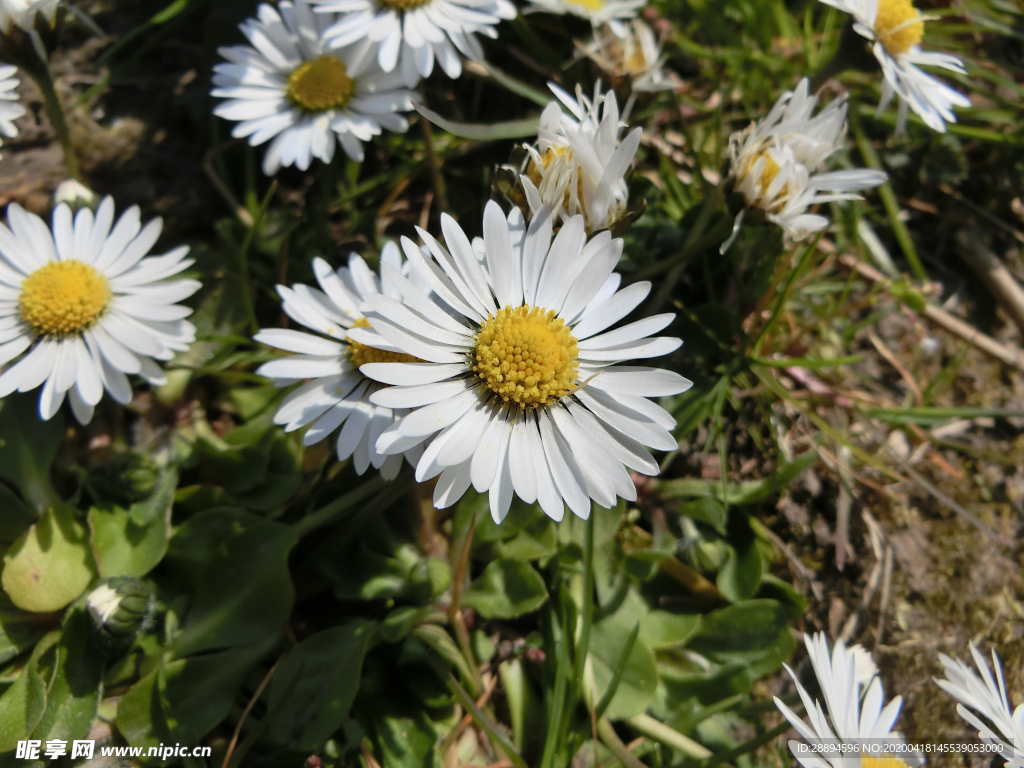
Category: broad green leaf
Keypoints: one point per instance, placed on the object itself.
(661, 629)
(406, 742)
(122, 546)
(23, 703)
(754, 633)
(140, 717)
(401, 621)
(19, 630)
(244, 591)
(740, 574)
(28, 446)
(316, 683)
(198, 692)
(199, 538)
(705, 510)
(258, 466)
(50, 564)
(74, 690)
(158, 505)
(507, 588)
(513, 129)
(639, 679)
(15, 515)
(748, 492)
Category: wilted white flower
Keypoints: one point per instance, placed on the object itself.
(579, 165)
(22, 13)
(986, 697)
(855, 712)
(895, 28)
(338, 395)
(632, 51)
(10, 108)
(87, 307)
(289, 87)
(518, 384)
(776, 163)
(415, 32)
(597, 11)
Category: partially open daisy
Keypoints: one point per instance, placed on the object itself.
(579, 164)
(985, 697)
(10, 109)
(337, 395)
(631, 51)
(22, 13)
(518, 379)
(855, 713)
(86, 307)
(414, 33)
(775, 164)
(895, 29)
(289, 87)
(596, 11)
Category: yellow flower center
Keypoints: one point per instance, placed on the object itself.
(403, 5)
(587, 5)
(360, 354)
(527, 355)
(885, 761)
(63, 298)
(769, 171)
(899, 26)
(321, 84)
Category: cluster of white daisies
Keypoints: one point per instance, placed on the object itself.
(856, 727)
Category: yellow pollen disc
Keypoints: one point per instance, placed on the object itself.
(63, 298)
(899, 26)
(360, 354)
(587, 5)
(321, 84)
(403, 5)
(886, 761)
(528, 356)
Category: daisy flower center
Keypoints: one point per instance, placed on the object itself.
(898, 26)
(360, 354)
(403, 5)
(63, 298)
(886, 761)
(320, 85)
(527, 355)
(587, 5)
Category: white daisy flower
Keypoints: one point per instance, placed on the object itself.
(775, 163)
(10, 108)
(22, 13)
(986, 697)
(518, 380)
(289, 87)
(635, 53)
(854, 713)
(579, 165)
(86, 307)
(895, 28)
(416, 32)
(338, 395)
(598, 12)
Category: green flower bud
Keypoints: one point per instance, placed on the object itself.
(125, 479)
(119, 609)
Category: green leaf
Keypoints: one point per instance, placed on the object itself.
(661, 629)
(50, 564)
(507, 588)
(122, 546)
(23, 703)
(316, 683)
(401, 621)
(513, 129)
(748, 492)
(740, 574)
(244, 591)
(639, 677)
(28, 446)
(140, 718)
(15, 515)
(18, 630)
(198, 692)
(259, 466)
(406, 742)
(157, 506)
(74, 690)
(707, 510)
(199, 538)
(754, 634)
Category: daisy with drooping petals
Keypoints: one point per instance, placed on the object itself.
(854, 715)
(775, 164)
(290, 88)
(986, 697)
(413, 33)
(22, 13)
(598, 12)
(635, 53)
(579, 164)
(10, 109)
(338, 395)
(518, 380)
(87, 306)
(895, 29)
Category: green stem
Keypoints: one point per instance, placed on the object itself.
(243, 259)
(436, 177)
(329, 512)
(43, 78)
(611, 740)
(670, 737)
(691, 248)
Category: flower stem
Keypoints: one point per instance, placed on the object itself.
(43, 78)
